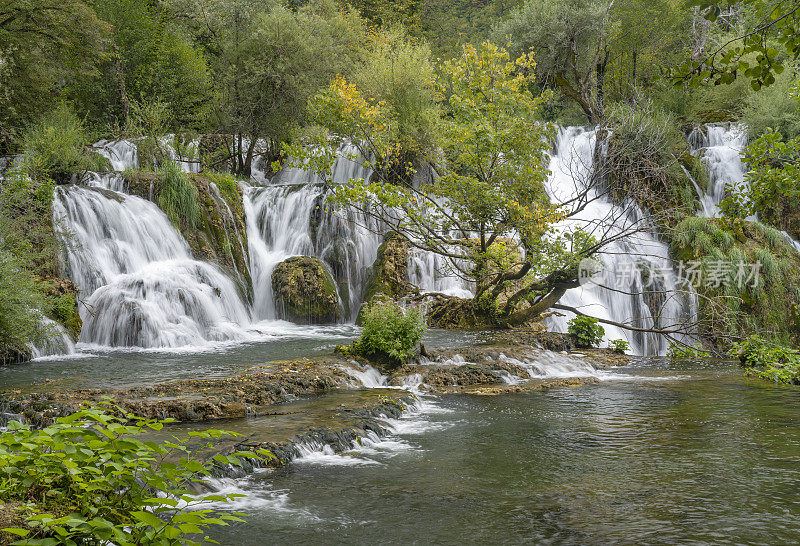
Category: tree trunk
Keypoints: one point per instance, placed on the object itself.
(123, 92)
(600, 72)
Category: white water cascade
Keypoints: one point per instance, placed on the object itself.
(291, 218)
(137, 276)
(720, 148)
(625, 262)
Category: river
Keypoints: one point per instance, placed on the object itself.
(655, 452)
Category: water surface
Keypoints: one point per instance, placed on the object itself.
(689, 453)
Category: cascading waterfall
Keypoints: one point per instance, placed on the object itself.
(291, 218)
(625, 262)
(137, 276)
(720, 148)
(430, 272)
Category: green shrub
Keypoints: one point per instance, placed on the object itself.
(21, 298)
(178, 197)
(390, 331)
(768, 359)
(91, 479)
(619, 346)
(55, 147)
(150, 120)
(585, 331)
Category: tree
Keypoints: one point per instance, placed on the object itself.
(150, 59)
(485, 210)
(578, 45)
(44, 46)
(270, 64)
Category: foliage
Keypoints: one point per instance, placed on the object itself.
(619, 346)
(773, 108)
(55, 147)
(767, 42)
(774, 172)
(679, 351)
(149, 59)
(178, 196)
(648, 160)
(45, 46)
(740, 300)
(768, 359)
(590, 49)
(586, 331)
(490, 166)
(391, 330)
(92, 478)
(149, 120)
(271, 63)
(21, 298)
(399, 73)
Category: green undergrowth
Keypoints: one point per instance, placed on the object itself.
(733, 303)
(93, 478)
(768, 360)
(391, 333)
(30, 283)
(648, 160)
(178, 197)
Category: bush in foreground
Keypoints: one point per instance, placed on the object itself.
(91, 478)
(391, 332)
(585, 331)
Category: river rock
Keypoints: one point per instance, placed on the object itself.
(304, 292)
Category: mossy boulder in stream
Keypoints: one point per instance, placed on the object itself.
(304, 291)
(388, 277)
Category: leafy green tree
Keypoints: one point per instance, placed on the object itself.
(150, 58)
(269, 67)
(582, 46)
(487, 193)
(45, 45)
(766, 40)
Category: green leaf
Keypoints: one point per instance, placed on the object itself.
(17, 531)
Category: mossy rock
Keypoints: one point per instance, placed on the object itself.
(304, 292)
(64, 310)
(220, 235)
(452, 313)
(388, 277)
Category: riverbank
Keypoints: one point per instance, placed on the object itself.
(501, 362)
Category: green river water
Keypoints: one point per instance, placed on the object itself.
(653, 453)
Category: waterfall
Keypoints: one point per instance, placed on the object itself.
(59, 343)
(720, 148)
(137, 276)
(294, 220)
(625, 262)
(290, 217)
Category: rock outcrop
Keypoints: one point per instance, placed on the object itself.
(305, 292)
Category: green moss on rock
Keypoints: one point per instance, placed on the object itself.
(731, 308)
(220, 233)
(388, 278)
(304, 291)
